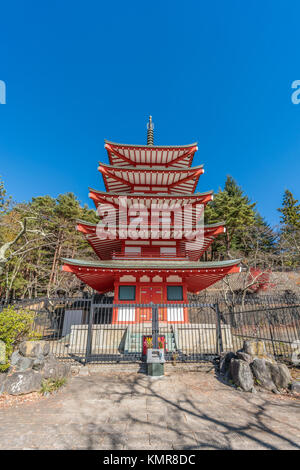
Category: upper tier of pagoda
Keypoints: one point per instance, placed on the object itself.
(150, 169)
(111, 249)
(164, 200)
(122, 155)
(148, 179)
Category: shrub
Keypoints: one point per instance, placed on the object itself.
(15, 327)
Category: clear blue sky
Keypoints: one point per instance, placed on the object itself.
(219, 73)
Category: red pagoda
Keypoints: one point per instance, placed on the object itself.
(146, 258)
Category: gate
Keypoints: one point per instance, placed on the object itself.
(123, 332)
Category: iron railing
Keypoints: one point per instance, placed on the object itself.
(277, 327)
(94, 329)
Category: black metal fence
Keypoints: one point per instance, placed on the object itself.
(278, 328)
(96, 330)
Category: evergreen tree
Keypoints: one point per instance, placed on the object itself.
(237, 211)
(290, 231)
(290, 210)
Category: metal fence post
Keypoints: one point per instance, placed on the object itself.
(89, 332)
(218, 330)
(271, 333)
(155, 327)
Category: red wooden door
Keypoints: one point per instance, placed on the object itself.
(145, 314)
(149, 294)
(156, 295)
(157, 298)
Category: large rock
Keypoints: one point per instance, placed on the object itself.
(2, 381)
(257, 349)
(254, 348)
(280, 375)
(225, 364)
(262, 374)
(21, 383)
(34, 348)
(54, 369)
(2, 352)
(241, 374)
(244, 356)
(14, 358)
(24, 363)
(38, 362)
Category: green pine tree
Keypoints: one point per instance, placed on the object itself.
(290, 211)
(236, 209)
(290, 230)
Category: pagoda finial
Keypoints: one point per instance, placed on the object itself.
(150, 133)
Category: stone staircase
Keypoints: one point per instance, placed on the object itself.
(134, 339)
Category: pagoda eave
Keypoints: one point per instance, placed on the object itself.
(191, 249)
(151, 180)
(180, 156)
(102, 275)
(101, 197)
(91, 228)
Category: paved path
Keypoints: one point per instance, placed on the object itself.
(183, 410)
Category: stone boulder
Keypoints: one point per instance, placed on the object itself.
(253, 362)
(254, 348)
(2, 381)
(29, 366)
(54, 369)
(34, 348)
(2, 352)
(225, 364)
(280, 375)
(38, 362)
(241, 374)
(257, 349)
(15, 357)
(244, 356)
(24, 363)
(20, 383)
(262, 374)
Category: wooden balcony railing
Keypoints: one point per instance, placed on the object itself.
(152, 255)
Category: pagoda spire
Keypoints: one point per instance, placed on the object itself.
(150, 132)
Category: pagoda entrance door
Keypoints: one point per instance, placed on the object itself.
(149, 294)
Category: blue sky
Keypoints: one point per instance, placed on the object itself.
(219, 73)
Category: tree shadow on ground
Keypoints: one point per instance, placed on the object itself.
(168, 413)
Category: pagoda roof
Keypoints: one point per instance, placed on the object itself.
(93, 225)
(194, 249)
(101, 275)
(180, 156)
(135, 265)
(191, 249)
(143, 179)
(147, 199)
